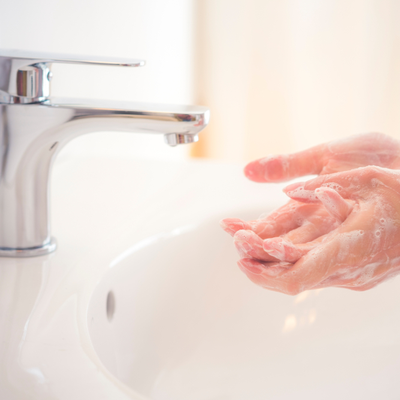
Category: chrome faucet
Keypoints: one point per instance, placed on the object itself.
(35, 126)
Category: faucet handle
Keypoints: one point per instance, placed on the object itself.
(25, 76)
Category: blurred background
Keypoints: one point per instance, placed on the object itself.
(278, 75)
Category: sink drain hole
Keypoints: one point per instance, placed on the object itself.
(110, 305)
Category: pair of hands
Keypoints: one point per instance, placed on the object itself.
(339, 229)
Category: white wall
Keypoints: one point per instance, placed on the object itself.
(283, 75)
(156, 30)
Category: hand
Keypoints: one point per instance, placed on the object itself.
(339, 155)
(303, 225)
(295, 222)
(360, 253)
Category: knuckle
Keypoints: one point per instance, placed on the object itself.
(372, 171)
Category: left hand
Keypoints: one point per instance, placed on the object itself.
(358, 254)
(295, 222)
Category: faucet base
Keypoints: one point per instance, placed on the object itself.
(30, 252)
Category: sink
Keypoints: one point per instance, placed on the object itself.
(174, 318)
(143, 299)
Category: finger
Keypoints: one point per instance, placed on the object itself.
(309, 231)
(334, 203)
(313, 221)
(270, 226)
(297, 192)
(249, 245)
(345, 162)
(339, 155)
(340, 251)
(276, 223)
(349, 183)
(340, 164)
(232, 225)
(366, 149)
(284, 167)
(307, 273)
(271, 276)
(287, 219)
(257, 271)
(284, 250)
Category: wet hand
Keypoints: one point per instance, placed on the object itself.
(358, 254)
(339, 155)
(294, 223)
(297, 223)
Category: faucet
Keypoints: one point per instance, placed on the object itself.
(34, 127)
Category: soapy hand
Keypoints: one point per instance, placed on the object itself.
(297, 223)
(358, 254)
(339, 155)
(296, 228)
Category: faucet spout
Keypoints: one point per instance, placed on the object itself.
(31, 135)
(95, 115)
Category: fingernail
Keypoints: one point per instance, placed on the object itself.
(226, 228)
(253, 269)
(254, 171)
(249, 172)
(251, 265)
(232, 225)
(223, 224)
(293, 186)
(302, 194)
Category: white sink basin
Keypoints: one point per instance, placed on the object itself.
(179, 321)
(182, 321)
